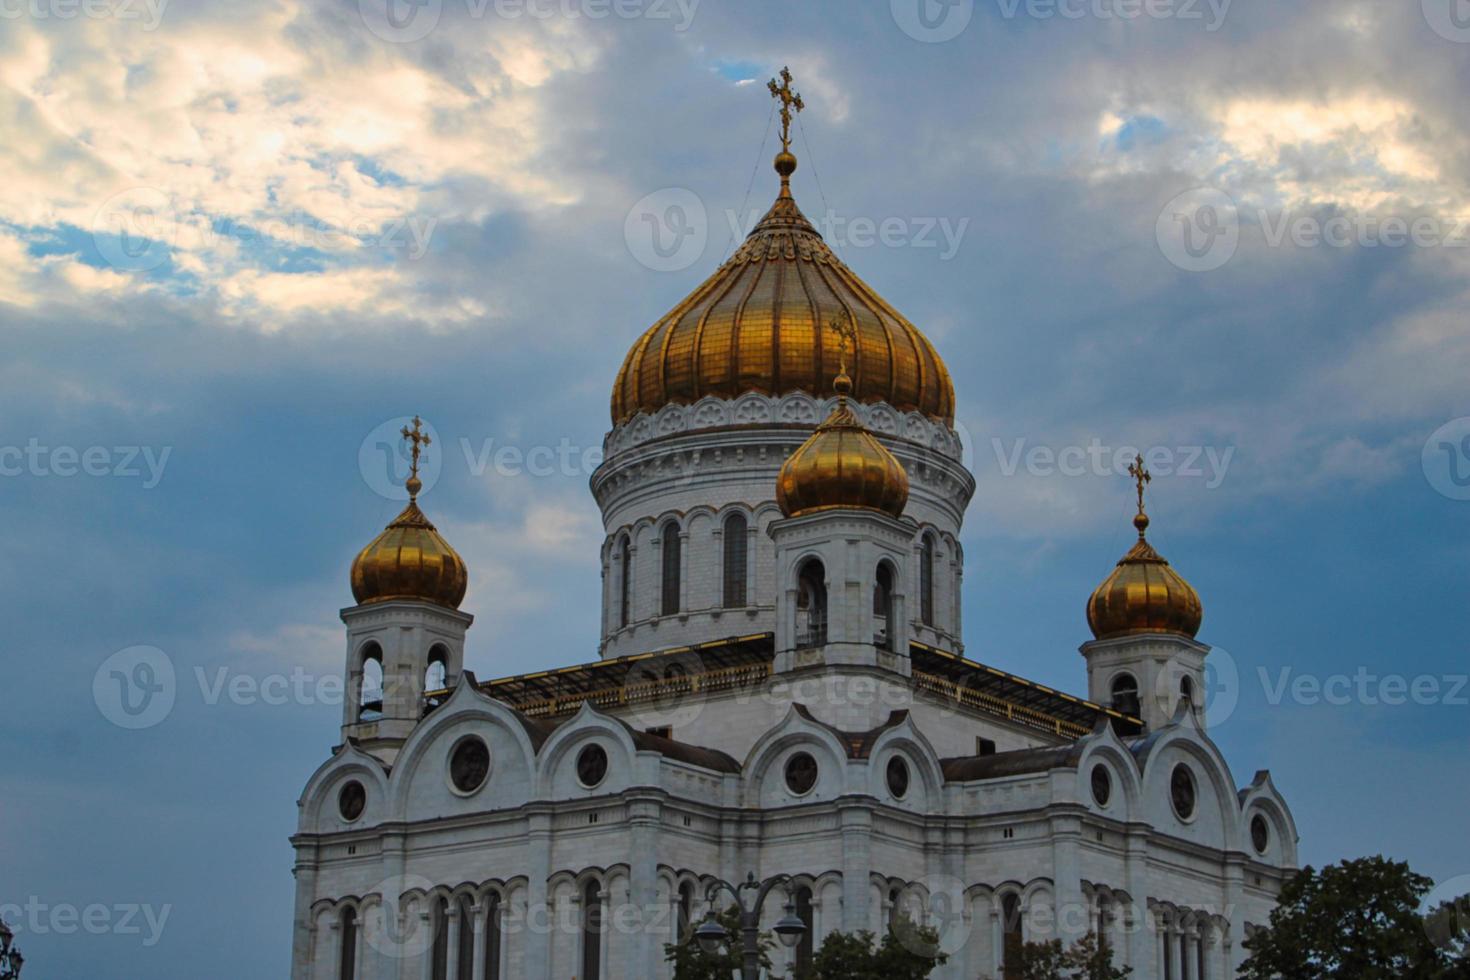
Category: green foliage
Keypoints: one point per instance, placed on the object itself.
(692, 963)
(1087, 959)
(1359, 920)
(907, 952)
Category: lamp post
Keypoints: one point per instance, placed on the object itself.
(789, 929)
(10, 958)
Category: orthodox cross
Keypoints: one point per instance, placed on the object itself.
(419, 439)
(1140, 476)
(789, 99)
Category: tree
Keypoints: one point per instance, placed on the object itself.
(908, 952)
(692, 963)
(1358, 920)
(1087, 959)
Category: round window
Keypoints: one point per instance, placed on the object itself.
(469, 764)
(1102, 785)
(1182, 792)
(352, 801)
(592, 765)
(898, 777)
(1260, 833)
(801, 773)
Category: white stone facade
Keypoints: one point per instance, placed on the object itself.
(866, 758)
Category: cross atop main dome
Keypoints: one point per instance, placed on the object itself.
(755, 325)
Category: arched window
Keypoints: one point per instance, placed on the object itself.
(805, 945)
(370, 684)
(439, 966)
(465, 960)
(669, 541)
(686, 912)
(735, 561)
(1125, 694)
(883, 621)
(625, 582)
(347, 965)
(592, 932)
(1186, 688)
(436, 676)
(926, 580)
(811, 605)
(1010, 924)
(492, 937)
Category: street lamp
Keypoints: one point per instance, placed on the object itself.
(789, 928)
(10, 958)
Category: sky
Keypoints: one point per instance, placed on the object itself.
(240, 242)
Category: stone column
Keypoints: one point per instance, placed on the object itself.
(477, 922)
(451, 948)
(538, 914)
(1142, 950)
(645, 815)
(683, 571)
(857, 829)
(303, 935)
(1071, 919)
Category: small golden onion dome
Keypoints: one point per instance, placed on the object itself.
(1144, 595)
(756, 326)
(842, 465)
(410, 560)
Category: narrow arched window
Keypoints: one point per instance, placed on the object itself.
(805, 945)
(347, 968)
(439, 966)
(811, 605)
(883, 622)
(370, 684)
(465, 960)
(625, 582)
(686, 911)
(592, 932)
(492, 937)
(669, 542)
(1124, 694)
(436, 677)
(926, 580)
(1010, 914)
(735, 561)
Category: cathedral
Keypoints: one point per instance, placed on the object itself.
(782, 692)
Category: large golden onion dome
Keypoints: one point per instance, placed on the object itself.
(756, 325)
(842, 465)
(1143, 594)
(410, 559)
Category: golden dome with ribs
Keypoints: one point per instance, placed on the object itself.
(759, 325)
